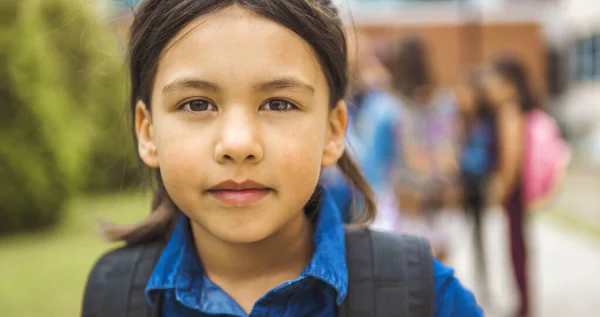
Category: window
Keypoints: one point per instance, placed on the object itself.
(586, 58)
(596, 57)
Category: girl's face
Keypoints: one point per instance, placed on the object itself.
(498, 90)
(466, 99)
(240, 125)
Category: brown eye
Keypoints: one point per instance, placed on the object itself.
(278, 105)
(198, 105)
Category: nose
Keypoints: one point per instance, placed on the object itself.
(239, 139)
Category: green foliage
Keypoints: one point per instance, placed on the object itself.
(44, 273)
(63, 94)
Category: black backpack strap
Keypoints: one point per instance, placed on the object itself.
(116, 285)
(389, 275)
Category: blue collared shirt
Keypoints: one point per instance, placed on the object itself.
(187, 292)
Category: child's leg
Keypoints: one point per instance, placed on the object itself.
(516, 218)
(477, 209)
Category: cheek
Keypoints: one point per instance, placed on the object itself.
(180, 153)
(300, 158)
(299, 154)
(299, 167)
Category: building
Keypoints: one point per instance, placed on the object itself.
(460, 34)
(579, 39)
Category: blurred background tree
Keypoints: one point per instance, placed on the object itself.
(63, 95)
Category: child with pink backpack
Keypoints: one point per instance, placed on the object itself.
(531, 158)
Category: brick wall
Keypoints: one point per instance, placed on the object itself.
(454, 46)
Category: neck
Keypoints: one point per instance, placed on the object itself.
(277, 258)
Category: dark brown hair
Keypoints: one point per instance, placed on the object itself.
(409, 65)
(475, 79)
(156, 22)
(512, 69)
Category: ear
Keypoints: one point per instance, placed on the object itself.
(336, 135)
(144, 132)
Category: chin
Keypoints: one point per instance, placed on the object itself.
(248, 233)
(241, 225)
(237, 227)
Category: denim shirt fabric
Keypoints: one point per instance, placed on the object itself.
(321, 287)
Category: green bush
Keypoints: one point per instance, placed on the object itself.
(63, 93)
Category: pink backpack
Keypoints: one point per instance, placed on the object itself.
(547, 157)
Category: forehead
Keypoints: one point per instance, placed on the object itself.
(238, 46)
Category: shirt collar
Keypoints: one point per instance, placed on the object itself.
(179, 266)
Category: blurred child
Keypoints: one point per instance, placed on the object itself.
(376, 119)
(508, 89)
(427, 178)
(369, 79)
(477, 163)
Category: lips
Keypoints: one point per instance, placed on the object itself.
(232, 193)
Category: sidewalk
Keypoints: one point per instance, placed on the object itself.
(564, 267)
(580, 195)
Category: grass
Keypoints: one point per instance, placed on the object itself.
(574, 223)
(44, 273)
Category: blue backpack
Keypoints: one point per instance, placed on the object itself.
(478, 157)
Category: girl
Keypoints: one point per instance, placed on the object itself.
(477, 163)
(427, 173)
(238, 105)
(374, 124)
(364, 76)
(507, 88)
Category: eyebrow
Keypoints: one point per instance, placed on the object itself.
(181, 84)
(271, 85)
(284, 83)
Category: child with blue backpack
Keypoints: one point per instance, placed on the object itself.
(237, 107)
(477, 163)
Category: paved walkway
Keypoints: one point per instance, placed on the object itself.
(565, 268)
(579, 195)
